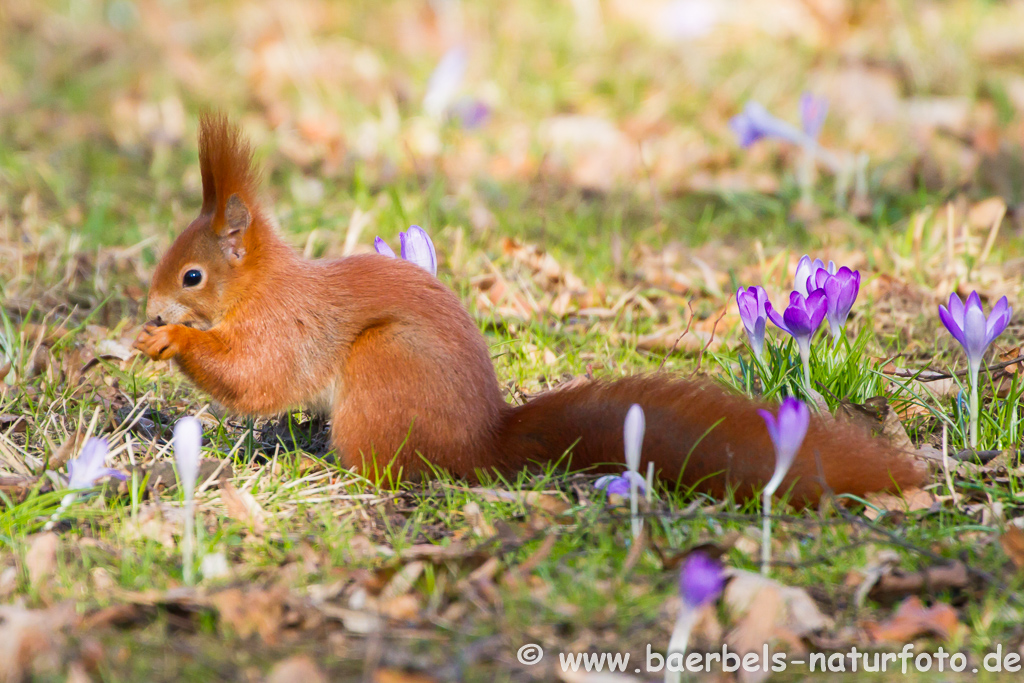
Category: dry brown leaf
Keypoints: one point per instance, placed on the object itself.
(77, 673)
(32, 641)
(799, 614)
(911, 500)
(41, 558)
(893, 583)
(15, 424)
(912, 619)
(243, 507)
(758, 627)
(296, 669)
(253, 611)
(986, 212)
(1012, 541)
(403, 580)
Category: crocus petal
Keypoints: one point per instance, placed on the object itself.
(757, 339)
(798, 322)
(382, 248)
(803, 271)
(816, 306)
(812, 114)
(997, 320)
(787, 432)
(89, 467)
(700, 580)
(755, 122)
(956, 309)
(470, 113)
(633, 436)
(951, 324)
(618, 485)
(445, 81)
(419, 249)
(187, 441)
(974, 333)
(752, 306)
(746, 133)
(774, 316)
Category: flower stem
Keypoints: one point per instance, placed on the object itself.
(805, 357)
(680, 639)
(636, 522)
(766, 532)
(975, 369)
(188, 544)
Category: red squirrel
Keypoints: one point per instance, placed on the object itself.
(391, 356)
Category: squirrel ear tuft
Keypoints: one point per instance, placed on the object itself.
(236, 221)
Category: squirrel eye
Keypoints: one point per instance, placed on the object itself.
(192, 278)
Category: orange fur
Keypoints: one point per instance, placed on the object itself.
(405, 375)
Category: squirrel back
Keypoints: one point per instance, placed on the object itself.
(390, 354)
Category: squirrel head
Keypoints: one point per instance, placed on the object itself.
(194, 281)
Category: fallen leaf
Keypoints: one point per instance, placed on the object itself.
(77, 674)
(252, 611)
(32, 641)
(243, 507)
(911, 500)
(296, 669)
(108, 348)
(15, 424)
(1012, 541)
(893, 583)
(800, 615)
(912, 619)
(41, 558)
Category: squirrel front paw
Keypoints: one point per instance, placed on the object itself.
(158, 342)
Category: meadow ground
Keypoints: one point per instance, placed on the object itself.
(592, 208)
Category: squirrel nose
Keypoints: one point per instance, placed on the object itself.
(159, 321)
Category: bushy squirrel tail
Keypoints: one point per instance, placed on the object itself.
(700, 435)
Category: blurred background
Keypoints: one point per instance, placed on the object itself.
(597, 128)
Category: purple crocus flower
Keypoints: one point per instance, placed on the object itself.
(802, 317)
(445, 81)
(975, 333)
(752, 302)
(633, 439)
(812, 114)
(700, 580)
(88, 468)
(787, 431)
(801, 320)
(805, 269)
(969, 326)
(755, 122)
(416, 247)
(469, 112)
(841, 291)
(618, 485)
